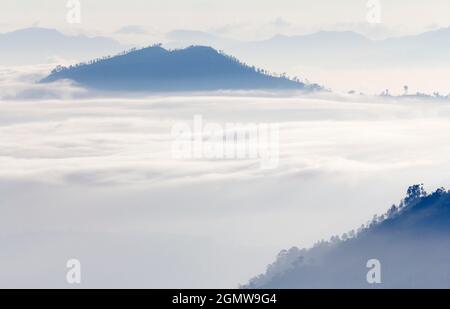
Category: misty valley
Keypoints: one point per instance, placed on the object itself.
(259, 146)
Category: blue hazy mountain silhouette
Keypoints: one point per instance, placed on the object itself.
(411, 241)
(154, 68)
(39, 45)
(330, 49)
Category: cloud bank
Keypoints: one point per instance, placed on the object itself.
(93, 178)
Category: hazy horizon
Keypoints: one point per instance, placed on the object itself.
(233, 19)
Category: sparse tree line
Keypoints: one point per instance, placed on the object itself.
(406, 94)
(413, 195)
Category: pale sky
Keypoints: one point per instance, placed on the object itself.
(248, 19)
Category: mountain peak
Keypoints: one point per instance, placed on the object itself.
(196, 68)
(34, 32)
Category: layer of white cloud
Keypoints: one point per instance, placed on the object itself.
(94, 179)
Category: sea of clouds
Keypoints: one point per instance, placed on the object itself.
(93, 178)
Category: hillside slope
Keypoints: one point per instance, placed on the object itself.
(411, 241)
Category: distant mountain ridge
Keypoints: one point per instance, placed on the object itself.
(331, 49)
(323, 49)
(196, 68)
(40, 45)
(411, 241)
